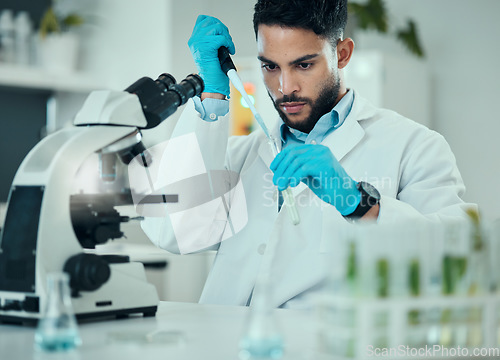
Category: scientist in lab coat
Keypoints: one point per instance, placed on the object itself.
(344, 159)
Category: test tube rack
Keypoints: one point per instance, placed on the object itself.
(443, 327)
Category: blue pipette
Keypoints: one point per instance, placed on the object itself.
(228, 67)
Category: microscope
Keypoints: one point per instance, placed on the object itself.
(48, 228)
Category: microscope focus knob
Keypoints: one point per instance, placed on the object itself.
(87, 272)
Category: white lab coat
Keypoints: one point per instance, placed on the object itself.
(412, 167)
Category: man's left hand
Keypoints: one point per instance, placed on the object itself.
(316, 166)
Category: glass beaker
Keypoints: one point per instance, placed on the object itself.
(57, 329)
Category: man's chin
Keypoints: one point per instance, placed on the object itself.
(298, 124)
(296, 121)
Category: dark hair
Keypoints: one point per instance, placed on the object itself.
(326, 18)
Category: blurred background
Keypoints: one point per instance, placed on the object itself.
(452, 89)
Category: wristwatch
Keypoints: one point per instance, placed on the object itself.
(369, 198)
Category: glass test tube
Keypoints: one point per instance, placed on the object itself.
(288, 198)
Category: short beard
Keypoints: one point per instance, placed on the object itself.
(323, 104)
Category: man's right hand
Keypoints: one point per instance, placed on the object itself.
(209, 34)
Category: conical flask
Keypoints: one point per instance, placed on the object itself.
(57, 329)
(261, 338)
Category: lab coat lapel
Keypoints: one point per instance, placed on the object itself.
(350, 133)
(345, 138)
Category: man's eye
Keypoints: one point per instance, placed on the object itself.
(270, 67)
(304, 66)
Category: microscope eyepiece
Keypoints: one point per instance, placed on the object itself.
(192, 85)
(160, 98)
(166, 80)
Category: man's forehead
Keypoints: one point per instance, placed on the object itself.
(281, 30)
(292, 43)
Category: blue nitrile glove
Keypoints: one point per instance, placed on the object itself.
(316, 166)
(209, 34)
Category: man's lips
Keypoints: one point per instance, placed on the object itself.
(292, 107)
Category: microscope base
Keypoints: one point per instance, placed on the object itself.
(96, 316)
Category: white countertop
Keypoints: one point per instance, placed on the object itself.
(179, 331)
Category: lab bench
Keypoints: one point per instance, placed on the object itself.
(178, 331)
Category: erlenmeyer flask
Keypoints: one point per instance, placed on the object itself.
(57, 329)
(261, 338)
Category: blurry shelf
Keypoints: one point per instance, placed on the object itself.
(30, 77)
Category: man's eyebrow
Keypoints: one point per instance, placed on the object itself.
(264, 59)
(303, 58)
(294, 62)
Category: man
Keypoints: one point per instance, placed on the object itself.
(344, 159)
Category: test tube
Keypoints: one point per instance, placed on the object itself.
(288, 198)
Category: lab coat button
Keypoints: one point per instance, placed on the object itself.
(213, 116)
(313, 142)
(262, 249)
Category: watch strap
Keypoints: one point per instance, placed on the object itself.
(367, 201)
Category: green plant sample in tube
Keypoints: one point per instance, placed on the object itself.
(352, 263)
(414, 277)
(382, 278)
(414, 282)
(454, 268)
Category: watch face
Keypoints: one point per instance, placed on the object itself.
(370, 190)
(369, 198)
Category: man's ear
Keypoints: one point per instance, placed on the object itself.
(345, 49)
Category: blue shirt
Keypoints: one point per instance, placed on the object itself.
(211, 109)
(325, 125)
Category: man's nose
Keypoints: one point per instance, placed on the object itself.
(288, 83)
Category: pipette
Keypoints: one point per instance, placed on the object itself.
(228, 67)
